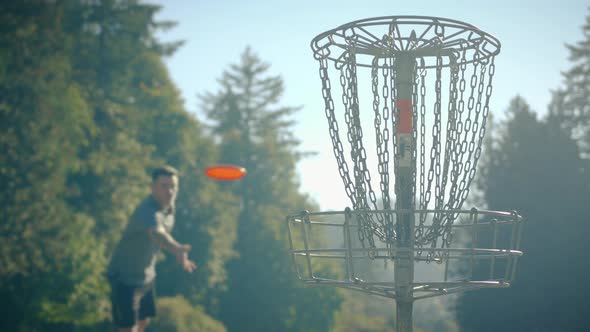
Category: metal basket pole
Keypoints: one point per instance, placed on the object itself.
(404, 258)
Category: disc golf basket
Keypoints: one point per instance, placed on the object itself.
(406, 99)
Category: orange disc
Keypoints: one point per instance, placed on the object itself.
(225, 172)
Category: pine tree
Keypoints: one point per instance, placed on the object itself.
(534, 167)
(256, 133)
(574, 97)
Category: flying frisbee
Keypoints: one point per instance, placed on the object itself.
(225, 172)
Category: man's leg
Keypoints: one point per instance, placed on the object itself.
(142, 324)
(147, 307)
(124, 310)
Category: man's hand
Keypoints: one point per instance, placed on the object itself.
(182, 258)
(180, 251)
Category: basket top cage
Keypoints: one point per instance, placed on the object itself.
(426, 130)
(458, 42)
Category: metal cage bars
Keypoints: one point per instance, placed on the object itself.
(500, 231)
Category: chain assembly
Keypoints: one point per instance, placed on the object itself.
(447, 125)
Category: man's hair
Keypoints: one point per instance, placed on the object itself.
(165, 170)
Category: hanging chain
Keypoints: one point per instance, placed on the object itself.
(422, 202)
(382, 141)
(358, 153)
(444, 177)
(338, 149)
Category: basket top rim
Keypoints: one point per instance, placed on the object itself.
(423, 36)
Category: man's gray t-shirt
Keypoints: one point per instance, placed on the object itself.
(134, 258)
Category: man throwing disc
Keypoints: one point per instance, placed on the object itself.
(131, 271)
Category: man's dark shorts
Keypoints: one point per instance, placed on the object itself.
(132, 304)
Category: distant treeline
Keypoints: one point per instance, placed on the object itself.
(540, 166)
(87, 108)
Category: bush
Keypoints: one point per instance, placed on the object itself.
(175, 314)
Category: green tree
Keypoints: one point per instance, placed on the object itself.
(570, 102)
(112, 39)
(540, 168)
(534, 167)
(256, 133)
(87, 109)
(49, 256)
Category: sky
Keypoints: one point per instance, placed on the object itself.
(533, 34)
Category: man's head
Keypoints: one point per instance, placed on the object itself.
(165, 185)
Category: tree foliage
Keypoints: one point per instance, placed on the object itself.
(45, 122)
(533, 166)
(571, 102)
(86, 110)
(256, 133)
(540, 168)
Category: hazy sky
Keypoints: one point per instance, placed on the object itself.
(532, 33)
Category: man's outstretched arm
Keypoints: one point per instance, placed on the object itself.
(164, 239)
(180, 251)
